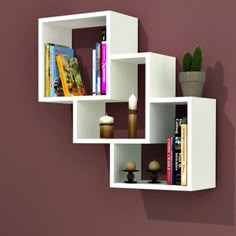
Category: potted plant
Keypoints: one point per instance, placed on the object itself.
(192, 79)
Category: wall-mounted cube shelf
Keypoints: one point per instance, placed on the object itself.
(122, 78)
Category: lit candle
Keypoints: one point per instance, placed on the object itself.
(132, 116)
(154, 165)
(106, 126)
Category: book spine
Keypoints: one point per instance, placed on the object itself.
(52, 70)
(96, 83)
(177, 165)
(169, 152)
(184, 154)
(104, 67)
(62, 75)
(47, 70)
(99, 68)
(94, 72)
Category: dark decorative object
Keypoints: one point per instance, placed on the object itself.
(130, 176)
(154, 176)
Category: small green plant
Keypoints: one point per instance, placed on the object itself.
(193, 63)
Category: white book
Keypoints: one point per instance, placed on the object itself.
(94, 72)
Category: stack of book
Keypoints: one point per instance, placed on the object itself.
(177, 154)
(99, 66)
(62, 75)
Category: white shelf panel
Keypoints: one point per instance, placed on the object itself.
(70, 100)
(177, 100)
(145, 185)
(111, 141)
(133, 58)
(77, 21)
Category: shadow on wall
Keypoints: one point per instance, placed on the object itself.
(214, 206)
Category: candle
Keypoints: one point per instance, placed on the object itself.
(132, 116)
(106, 119)
(130, 165)
(106, 126)
(154, 165)
(132, 102)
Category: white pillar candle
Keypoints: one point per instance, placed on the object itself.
(106, 119)
(132, 102)
(106, 126)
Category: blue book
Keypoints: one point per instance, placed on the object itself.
(55, 82)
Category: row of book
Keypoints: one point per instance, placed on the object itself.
(62, 75)
(99, 72)
(177, 154)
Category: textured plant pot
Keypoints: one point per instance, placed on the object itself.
(192, 83)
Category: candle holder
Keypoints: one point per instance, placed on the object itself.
(130, 176)
(154, 176)
(132, 123)
(106, 130)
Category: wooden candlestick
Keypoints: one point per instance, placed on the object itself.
(132, 123)
(132, 117)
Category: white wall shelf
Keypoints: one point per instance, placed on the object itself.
(122, 78)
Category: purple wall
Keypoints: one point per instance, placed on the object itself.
(50, 187)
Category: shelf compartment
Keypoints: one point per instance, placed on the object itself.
(201, 137)
(119, 154)
(58, 30)
(86, 119)
(159, 71)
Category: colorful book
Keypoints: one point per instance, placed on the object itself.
(47, 70)
(103, 63)
(74, 66)
(103, 67)
(54, 72)
(177, 161)
(177, 156)
(184, 153)
(68, 83)
(98, 68)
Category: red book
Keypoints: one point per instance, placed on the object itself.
(169, 152)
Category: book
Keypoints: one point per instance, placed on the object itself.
(103, 67)
(94, 72)
(54, 72)
(74, 66)
(177, 161)
(103, 62)
(184, 153)
(47, 69)
(98, 68)
(170, 163)
(177, 155)
(67, 81)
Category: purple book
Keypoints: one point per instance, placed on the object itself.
(104, 68)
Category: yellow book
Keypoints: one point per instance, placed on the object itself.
(66, 76)
(47, 70)
(184, 154)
